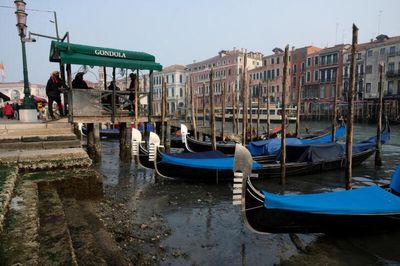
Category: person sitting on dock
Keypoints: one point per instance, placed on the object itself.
(78, 82)
(53, 93)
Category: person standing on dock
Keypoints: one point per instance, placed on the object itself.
(132, 89)
(8, 111)
(53, 93)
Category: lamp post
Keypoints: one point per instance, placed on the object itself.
(21, 26)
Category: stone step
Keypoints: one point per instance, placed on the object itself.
(19, 240)
(35, 132)
(55, 240)
(32, 138)
(46, 159)
(22, 126)
(96, 246)
(38, 145)
(8, 179)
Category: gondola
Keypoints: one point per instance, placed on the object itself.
(216, 166)
(140, 152)
(228, 147)
(361, 210)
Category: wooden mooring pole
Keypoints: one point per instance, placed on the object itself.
(193, 106)
(245, 101)
(334, 111)
(349, 133)
(259, 90)
(212, 114)
(204, 105)
(223, 110)
(268, 114)
(93, 142)
(234, 106)
(163, 110)
(298, 111)
(283, 139)
(378, 158)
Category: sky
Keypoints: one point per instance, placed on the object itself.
(180, 31)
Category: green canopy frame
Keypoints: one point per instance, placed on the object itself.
(69, 53)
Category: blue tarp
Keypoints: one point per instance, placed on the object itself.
(273, 146)
(362, 201)
(203, 161)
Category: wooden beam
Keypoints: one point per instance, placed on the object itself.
(378, 158)
(212, 114)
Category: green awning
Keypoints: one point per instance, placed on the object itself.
(68, 53)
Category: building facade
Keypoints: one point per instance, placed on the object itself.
(176, 81)
(15, 90)
(227, 69)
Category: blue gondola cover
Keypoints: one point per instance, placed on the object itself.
(213, 160)
(363, 201)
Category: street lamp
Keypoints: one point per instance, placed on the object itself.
(28, 103)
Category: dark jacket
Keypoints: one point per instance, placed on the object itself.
(79, 84)
(53, 84)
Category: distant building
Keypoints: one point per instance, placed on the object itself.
(227, 67)
(15, 90)
(384, 50)
(175, 80)
(269, 77)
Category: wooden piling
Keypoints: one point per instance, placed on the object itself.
(234, 106)
(93, 142)
(378, 158)
(193, 106)
(349, 133)
(204, 105)
(268, 113)
(258, 109)
(137, 98)
(223, 111)
(245, 101)
(212, 113)
(334, 111)
(298, 111)
(250, 122)
(283, 140)
(163, 110)
(125, 143)
(168, 140)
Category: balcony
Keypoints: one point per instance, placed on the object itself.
(393, 73)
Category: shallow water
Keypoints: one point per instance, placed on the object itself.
(207, 229)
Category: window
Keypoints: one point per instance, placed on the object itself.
(294, 82)
(272, 61)
(167, 79)
(173, 92)
(277, 72)
(329, 59)
(302, 67)
(278, 60)
(273, 73)
(173, 78)
(335, 58)
(390, 87)
(369, 55)
(277, 88)
(368, 69)
(294, 69)
(392, 50)
(180, 92)
(229, 72)
(269, 74)
(391, 67)
(382, 51)
(368, 88)
(302, 80)
(265, 62)
(265, 74)
(316, 60)
(308, 76)
(308, 61)
(315, 75)
(346, 71)
(180, 78)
